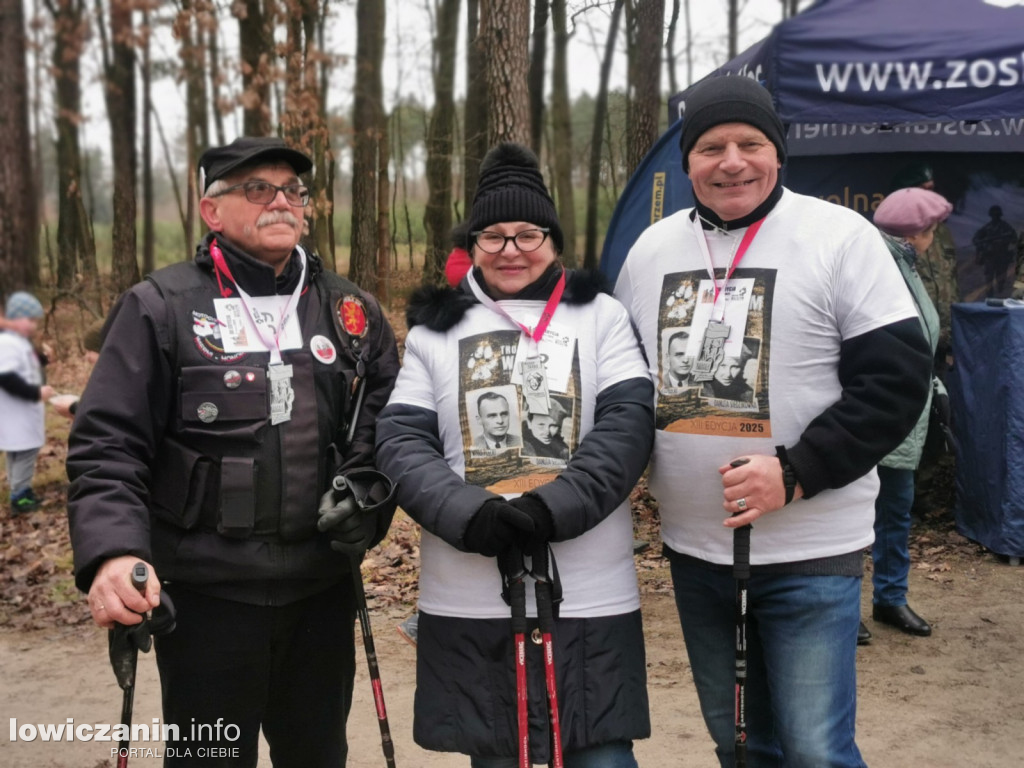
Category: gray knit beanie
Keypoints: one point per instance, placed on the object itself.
(729, 99)
(22, 304)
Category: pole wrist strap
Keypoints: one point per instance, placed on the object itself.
(788, 475)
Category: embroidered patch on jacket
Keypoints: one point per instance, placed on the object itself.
(207, 338)
(352, 314)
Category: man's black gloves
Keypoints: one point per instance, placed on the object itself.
(499, 524)
(357, 512)
(349, 528)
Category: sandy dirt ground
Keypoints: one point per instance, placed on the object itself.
(954, 700)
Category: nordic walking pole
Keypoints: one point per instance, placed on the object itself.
(340, 485)
(741, 573)
(124, 656)
(387, 745)
(546, 622)
(513, 572)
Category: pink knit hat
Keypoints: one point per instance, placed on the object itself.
(911, 210)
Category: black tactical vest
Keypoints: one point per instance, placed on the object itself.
(222, 464)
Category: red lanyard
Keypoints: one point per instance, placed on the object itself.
(272, 342)
(537, 332)
(748, 238)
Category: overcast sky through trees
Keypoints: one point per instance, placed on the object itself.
(408, 54)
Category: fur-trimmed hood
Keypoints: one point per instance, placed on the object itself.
(439, 309)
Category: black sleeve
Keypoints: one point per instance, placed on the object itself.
(608, 461)
(885, 375)
(115, 433)
(15, 386)
(410, 452)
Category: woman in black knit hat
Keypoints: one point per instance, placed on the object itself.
(522, 337)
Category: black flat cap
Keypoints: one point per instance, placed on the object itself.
(218, 162)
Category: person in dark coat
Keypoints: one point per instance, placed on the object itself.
(215, 419)
(520, 321)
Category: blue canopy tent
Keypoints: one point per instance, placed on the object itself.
(893, 81)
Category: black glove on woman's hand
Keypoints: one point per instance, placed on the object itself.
(540, 515)
(495, 527)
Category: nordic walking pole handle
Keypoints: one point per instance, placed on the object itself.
(139, 578)
(741, 540)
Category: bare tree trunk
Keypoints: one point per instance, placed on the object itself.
(190, 187)
(304, 119)
(476, 112)
(505, 27)
(670, 50)
(382, 290)
(76, 251)
(646, 19)
(148, 234)
(689, 43)
(396, 131)
(256, 50)
(119, 90)
(561, 126)
(535, 79)
(600, 110)
(437, 218)
(19, 218)
(213, 57)
(734, 19)
(367, 130)
(35, 86)
(325, 159)
(188, 27)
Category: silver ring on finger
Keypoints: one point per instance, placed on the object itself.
(742, 504)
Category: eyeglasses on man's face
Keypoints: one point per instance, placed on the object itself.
(263, 192)
(527, 241)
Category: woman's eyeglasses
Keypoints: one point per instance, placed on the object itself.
(527, 241)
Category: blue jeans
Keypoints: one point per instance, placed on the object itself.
(801, 689)
(891, 551)
(617, 754)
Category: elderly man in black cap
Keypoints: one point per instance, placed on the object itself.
(217, 415)
(842, 375)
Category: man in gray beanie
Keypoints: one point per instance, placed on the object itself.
(839, 376)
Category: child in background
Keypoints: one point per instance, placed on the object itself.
(22, 398)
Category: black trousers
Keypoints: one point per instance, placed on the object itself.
(230, 668)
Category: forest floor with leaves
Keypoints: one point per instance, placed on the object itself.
(953, 700)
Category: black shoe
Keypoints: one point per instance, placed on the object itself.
(903, 618)
(24, 502)
(863, 636)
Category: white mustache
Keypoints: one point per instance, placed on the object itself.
(276, 217)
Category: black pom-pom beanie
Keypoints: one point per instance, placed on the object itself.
(511, 188)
